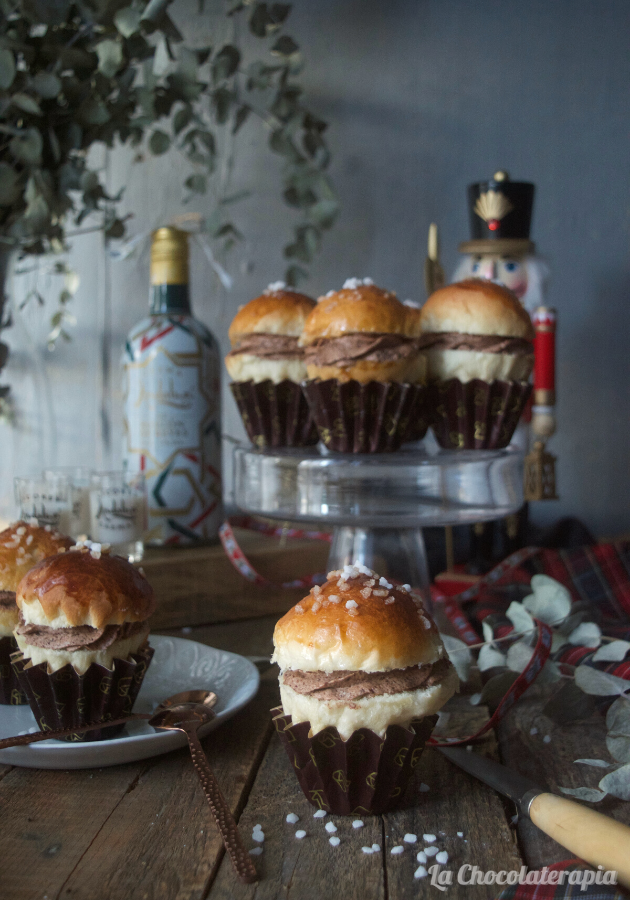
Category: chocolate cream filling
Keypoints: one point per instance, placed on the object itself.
(484, 343)
(347, 350)
(268, 346)
(82, 637)
(7, 599)
(349, 686)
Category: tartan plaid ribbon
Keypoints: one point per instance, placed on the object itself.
(242, 564)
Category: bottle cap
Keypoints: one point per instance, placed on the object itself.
(169, 256)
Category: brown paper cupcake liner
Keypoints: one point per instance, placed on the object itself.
(274, 415)
(10, 692)
(476, 415)
(65, 699)
(376, 417)
(366, 774)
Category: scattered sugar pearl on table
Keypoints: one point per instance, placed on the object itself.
(396, 851)
(420, 872)
(428, 838)
(460, 834)
(319, 814)
(255, 851)
(421, 856)
(376, 848)
(430, 851)
(533, 731)
(411, 838)
(300, 834)
(334, 841)
(424, 788)
(442, 857)
(330, 827)
(547, 739)
(292, 818)
(367, 850)
(358, 823)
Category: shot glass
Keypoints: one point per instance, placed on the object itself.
(80, 480)
(49, 500)
(118, 512)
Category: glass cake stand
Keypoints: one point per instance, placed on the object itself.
(377, 504)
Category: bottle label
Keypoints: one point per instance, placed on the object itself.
(172, 426)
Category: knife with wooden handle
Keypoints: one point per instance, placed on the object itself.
(593, 837)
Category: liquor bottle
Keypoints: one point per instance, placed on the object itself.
(172, 395)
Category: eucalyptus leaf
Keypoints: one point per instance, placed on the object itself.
(569, 704)
(495, 689)
(519, 655)
(459, 654)
(612, 651)
(7, 68)
(618, 745)
(550, 602)
(599, 684)
(490, 658)
(588, 634)
(618, 716)
(9, 185)
(110, 57)
(127, 20)
(592, 795)
(599, 763)
(27, 146)
(519, 617)
(159, 142)
(46, 85)
(225, 63)
(617, 783)
(26, 104)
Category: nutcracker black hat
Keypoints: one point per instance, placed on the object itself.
(500, 216)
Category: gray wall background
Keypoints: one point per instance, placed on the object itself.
(423, 97)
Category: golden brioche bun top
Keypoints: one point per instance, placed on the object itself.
(365, 308)
(476, 306)
(359, 631)
(82, 587)
(22, 546)
(274, 312)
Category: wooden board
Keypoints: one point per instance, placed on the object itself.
(199, 585)
(311, 868)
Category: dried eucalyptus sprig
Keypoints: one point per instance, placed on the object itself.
(76, 73)
(551, 603)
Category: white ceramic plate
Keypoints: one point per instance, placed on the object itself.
(178, 665)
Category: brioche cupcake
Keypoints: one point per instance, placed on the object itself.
(267, 368)
(82, 635)
(363, 672)
(22, 546)
(479, 344)
(366, 372)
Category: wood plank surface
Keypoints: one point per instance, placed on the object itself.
(307, 869)
(311, 868)
(161, 841)
(551, 765)
(199, 585)
(455, 802)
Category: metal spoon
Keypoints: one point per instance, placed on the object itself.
(189, 716)
(207, 698)
(187, 711)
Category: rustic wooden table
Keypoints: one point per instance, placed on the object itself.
(145, 831)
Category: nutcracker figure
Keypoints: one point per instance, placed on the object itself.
(500, 250)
